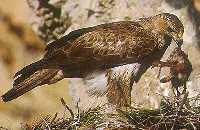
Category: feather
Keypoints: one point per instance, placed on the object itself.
(32, 67)
(38, 78)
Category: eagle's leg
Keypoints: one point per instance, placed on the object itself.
(184, 88)
(161, 64)
(120, 81)
(177, 92)
(119, 92)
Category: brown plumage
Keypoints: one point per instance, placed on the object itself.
(120, 81)
(180, 69)
(101, 47)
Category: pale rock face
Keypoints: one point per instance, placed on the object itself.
(96, 83)
(79, 92)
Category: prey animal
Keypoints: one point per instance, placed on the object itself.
(180, 70)
(99, 48)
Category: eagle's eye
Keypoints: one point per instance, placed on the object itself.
(175, 35)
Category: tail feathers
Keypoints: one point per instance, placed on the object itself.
(38, 78)
(32, 67)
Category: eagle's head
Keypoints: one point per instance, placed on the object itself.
(165, 24)
(174, 27)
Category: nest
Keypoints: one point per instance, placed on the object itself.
(89, 119)
(172, 115)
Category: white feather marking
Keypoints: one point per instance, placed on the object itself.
(97, 83)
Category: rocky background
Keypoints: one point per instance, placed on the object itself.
(27, 26)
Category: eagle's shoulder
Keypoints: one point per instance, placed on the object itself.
(73, 35)
(65, 39)
(102, 41)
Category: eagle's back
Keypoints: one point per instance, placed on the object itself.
(107, 45)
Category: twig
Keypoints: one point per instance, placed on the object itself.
(78, 109)
(129, 116)
(49, 128)
(191, 123)
(55, 116)
(66, 106)
(184, 100)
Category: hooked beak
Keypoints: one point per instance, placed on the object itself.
(178, 41)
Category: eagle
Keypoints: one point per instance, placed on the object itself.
(100, 48)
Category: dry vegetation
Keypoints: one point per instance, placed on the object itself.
(174, 115)
(19, 46)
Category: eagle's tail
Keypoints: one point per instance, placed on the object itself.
(28, 78)
(32, 67)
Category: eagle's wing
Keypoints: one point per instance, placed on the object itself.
(67, 38)
(73, 35)
(102, 46)
(108, 46)
(83, 51)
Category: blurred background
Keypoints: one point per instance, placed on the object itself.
(26, 26)
(19, 46)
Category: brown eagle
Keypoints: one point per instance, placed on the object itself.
(99, 48)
